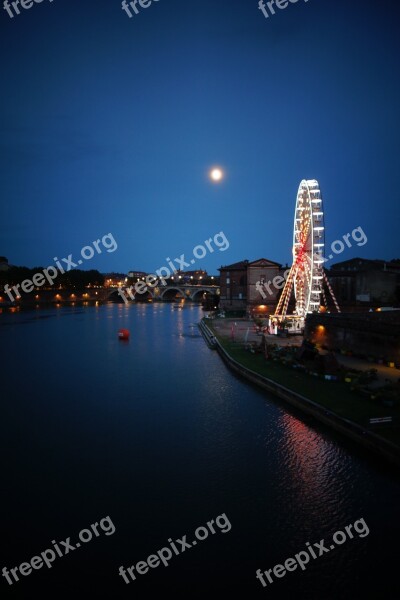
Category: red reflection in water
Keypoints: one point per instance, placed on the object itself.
(306, 449)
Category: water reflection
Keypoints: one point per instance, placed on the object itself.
(161, 434)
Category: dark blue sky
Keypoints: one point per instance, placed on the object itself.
(109, 124)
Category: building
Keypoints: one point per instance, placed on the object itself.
(265, 282)
(365, 282)
(137, 274)
(233, 286)
(252, 286)
(373, 335)
(193, 277)
(114, 279)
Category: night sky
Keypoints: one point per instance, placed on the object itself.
(110, 124)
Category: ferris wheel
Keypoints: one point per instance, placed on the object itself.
(306, 276)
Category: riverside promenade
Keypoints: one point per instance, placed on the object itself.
(330, 402)
(242, 331)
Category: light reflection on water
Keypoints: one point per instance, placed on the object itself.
(160, 434)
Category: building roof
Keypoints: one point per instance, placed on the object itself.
(241, 265)
(363, 264)
(264, 262)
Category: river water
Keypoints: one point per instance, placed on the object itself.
(160, 436)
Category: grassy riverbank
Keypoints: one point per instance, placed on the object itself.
(335, 396)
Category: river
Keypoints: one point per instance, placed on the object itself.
(160, 436)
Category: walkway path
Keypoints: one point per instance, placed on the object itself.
(242, 330)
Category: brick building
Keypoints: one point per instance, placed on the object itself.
(240, 285)
(360, 281)
(233, 285)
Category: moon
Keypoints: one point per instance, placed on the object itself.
(216, 174)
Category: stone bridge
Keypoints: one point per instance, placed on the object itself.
(74, 296)
(168, 293)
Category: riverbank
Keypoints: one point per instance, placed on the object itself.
(330, 402)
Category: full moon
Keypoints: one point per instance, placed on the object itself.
(216, 174)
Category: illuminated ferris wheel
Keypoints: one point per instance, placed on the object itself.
(307, 275)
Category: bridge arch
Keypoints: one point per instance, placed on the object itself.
(173, 292)
(143, 297)
(200, 293)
